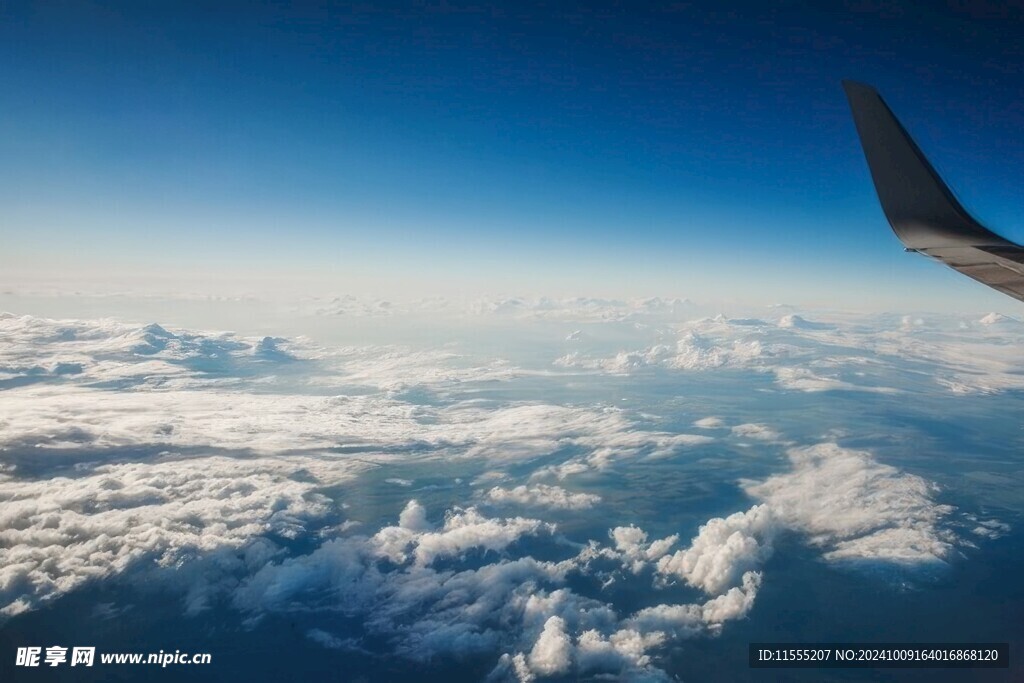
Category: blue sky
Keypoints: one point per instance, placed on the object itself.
(701, 151)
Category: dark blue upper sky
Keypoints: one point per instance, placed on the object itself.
(524, 141)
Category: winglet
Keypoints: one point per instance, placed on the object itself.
(919, 206)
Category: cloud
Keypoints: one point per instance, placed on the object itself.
(625, 650)
(760, 432)
(724, 550)
(146, 386)
(634, 550)
(333, 642)
(857, 509)
(465, 529)
(228, 450)
(688, 620)
(802, 379)
(988, 528)
(411, 585)
(869, 353)
(542, 495)
(562, 471)
(681, 621)
(998, 319)
(552, 653)
(586, 309)
(58, 533)
(860, 512)
(691, 352)
(145, 451)
(792, 321)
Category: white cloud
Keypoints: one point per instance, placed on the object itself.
(758, 431)
(566, 469)
(141, 386)
(857, 509)
(962, 357)
(724, 550)
(792, 321)
(989, 528)
(426, 611)
(465, 529)
(542, 495)
(625, 651)
(552, 653)
(58, 533)
(691, 352)
(735, 603)
(998, 319)
(680, 621)
(238, 437)
(802, 379)
(634, 550)
(688, 620)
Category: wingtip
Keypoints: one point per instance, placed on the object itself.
(858, 87)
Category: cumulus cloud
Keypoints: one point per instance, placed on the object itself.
(860, 512)
(542, 495)
(552, 653)
(562, 471)
(633, 549)
(991, 528)
(751, 430)
(464, 529)
(724, 550)
(734, 603)
(998, 319)
(857, 509)
(687, 620)
(403, 586)
(793, 320)
(847, 353)
(691, 352)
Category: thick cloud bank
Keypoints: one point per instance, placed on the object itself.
(56, 534)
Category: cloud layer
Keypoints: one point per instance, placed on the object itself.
(195, 459)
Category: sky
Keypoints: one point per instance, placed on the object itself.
(242, 411)
(404, 149)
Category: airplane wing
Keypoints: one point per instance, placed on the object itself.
(922, 211)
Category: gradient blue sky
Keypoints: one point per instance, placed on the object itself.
(699, 149)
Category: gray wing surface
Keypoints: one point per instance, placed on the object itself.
(922, 211)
